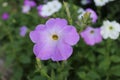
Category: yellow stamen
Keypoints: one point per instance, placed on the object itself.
(55, 37)
(91, 31)
(111, 28)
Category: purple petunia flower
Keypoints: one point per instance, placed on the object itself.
(54, 40)
(23, 31)
(29, 3)
(26, 8)
(93, 14)
(5, 16)
(91, 35)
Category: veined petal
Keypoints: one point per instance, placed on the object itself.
(98, 37)
(44, 51)
(114, 35)
(56, 23)
(39, 35)
(70, 35)
(40, 27)
(33, 36)
(62, 52)
(89, 39)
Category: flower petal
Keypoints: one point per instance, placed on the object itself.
(42, 32)
(62, 52)
(40, 27)
(89, 39)
(43, 51)
(56, 22)
(33, 36)
(114, 35)
(57, 56)
(71, 36)
(97, 37)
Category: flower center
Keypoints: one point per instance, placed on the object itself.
(55, 37)
(49, 10)
(92, 31)
(111, 28)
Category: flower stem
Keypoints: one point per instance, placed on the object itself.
(68, 12)
(107, 56)
(39, 65)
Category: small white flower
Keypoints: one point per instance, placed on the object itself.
(5, 4)
(93, 14)
(46, 10)
(56, 5)
(101, 2)
(84, 2)
(81, 12)
(26, 8)
(110, 29)
(50, 8)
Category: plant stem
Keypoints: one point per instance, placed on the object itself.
(108, 46)
(40, 67)
(68, 12)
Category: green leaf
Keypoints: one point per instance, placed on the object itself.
(115, 58)
(82, 75)
(24, 59)
(92, 75)
(91, 57)
(39, 78)
(104, 64)
(101, 51)
(18, 72)
(115, 70)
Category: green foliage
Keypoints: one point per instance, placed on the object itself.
(115, 70)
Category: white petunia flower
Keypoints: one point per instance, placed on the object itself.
(56, 5)
(26, 8)
(46, 10)
(50, 8)
(101, 2)
(84, 2)
(81, 12)
(5, 4)
(110, 29)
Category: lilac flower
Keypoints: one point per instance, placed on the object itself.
(5, 16)
(23, 31)
(27, 6)
(29, 3)
(91, 35)
(93, 14)
(54, 40)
